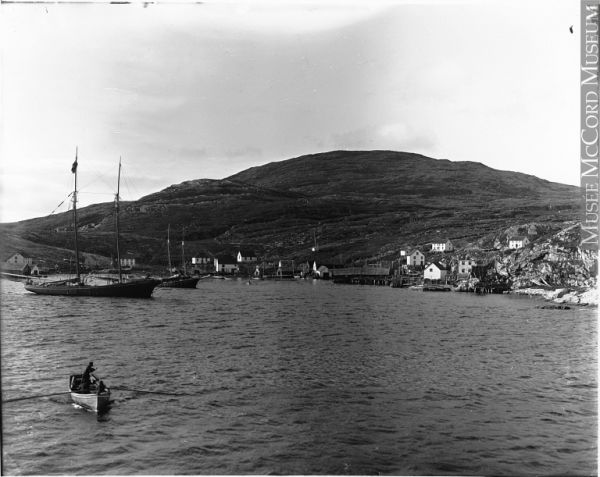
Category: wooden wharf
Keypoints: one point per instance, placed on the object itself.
(365, 275)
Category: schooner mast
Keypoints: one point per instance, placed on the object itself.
(74, 171)
(117, 221)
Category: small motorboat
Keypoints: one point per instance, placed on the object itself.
(95, 399)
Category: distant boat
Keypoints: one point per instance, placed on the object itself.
(94, 399)
(178, 280)
(121, 287)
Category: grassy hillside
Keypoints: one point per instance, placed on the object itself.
(357, 204)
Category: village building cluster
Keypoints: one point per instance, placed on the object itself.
(435, 264)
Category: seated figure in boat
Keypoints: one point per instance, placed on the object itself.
(85, 378)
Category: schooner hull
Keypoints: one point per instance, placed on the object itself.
(135, 289)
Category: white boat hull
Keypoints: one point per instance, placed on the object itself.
(91, 401)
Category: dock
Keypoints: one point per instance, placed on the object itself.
(365, 275)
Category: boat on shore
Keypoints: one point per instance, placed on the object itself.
(95, 399)
(120, 287)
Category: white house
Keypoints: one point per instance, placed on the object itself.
(246, 256)
(225, 264)
(446, 246)
(128, 261)
(202, 260)
(18, 262)
(435, 271)
(39, 269)
(415, 259)
(204, 264)
(517, 242)
(466, 265)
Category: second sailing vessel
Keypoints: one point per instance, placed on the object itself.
(89, 286)
(179, 279)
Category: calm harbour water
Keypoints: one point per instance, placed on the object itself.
(301, 377)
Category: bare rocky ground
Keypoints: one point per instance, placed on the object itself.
(553, 266)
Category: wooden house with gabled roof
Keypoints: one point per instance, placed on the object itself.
(415, 258)
(518, 241)
(225, 264)
(441, 245)
(436, 271)
(245, 255)
(17, 262)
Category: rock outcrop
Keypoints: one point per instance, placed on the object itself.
(552, 265)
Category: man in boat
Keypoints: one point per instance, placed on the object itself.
(101, 387)
(85, 379)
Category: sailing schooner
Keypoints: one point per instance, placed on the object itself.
(179, 279)
(89, 286)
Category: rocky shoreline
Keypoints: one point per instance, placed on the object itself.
(586, 297)
(552, 266)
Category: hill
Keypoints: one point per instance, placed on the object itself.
(354, 204)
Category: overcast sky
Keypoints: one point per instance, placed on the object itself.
(188, 91)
